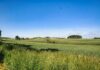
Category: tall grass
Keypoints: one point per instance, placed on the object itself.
(73, 55)
(30, 60)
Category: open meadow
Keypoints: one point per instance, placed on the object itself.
(57, 54)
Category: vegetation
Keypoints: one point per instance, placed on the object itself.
(37, 54)
(48, 39)
(17, 37)
(0, 33)
(74, 37)
(26, 60)
(0, 37)
(97, 38)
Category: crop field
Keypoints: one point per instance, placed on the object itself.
(55, 54)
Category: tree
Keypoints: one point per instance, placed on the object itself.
(0, 33)
(0, 37)
(74, 37)
(96, 37)
(17, 37)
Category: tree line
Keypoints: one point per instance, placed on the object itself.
(69, 37)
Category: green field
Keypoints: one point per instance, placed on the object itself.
(73, 54)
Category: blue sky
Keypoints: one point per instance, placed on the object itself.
(55, 18)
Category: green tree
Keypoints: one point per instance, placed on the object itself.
(74, 37)
(0, 37)
(17, 37)
(0, 33)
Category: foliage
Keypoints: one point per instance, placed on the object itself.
(0, 36)
(74, 37)
(17, 37)
(0, 33)
(97, 38)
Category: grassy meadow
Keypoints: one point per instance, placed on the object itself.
(70, 54)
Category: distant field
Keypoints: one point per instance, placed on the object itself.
(59, 41)
(73, 54)
(85, 46)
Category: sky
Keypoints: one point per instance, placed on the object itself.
(54, 18)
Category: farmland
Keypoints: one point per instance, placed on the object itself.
(57, 54)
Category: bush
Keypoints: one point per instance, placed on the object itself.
(74, 37)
